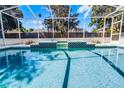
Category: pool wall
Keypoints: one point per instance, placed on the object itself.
(68, 45)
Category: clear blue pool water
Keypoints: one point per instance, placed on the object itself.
(100, 67)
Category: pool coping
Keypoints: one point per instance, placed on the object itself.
(23, 46)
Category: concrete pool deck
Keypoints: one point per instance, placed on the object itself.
(15, 41)
(20, 43)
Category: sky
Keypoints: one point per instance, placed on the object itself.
(29, 21)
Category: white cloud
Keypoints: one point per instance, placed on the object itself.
(35, 22)
(83, 9)
(47, 9)
(41, 26)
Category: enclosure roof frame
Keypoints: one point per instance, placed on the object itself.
(85, 15)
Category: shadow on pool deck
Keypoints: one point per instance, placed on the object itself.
(111, 64)
(66, 78)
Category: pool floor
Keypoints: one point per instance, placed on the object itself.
(74, 68)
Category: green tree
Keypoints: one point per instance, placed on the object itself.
(98, 10)
(31, 29)
(62, 25)
(10, 23)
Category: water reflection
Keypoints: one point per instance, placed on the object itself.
(16, 68)
(111, 57)
(21, 67)
(110, 54)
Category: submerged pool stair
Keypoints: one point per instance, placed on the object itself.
(44, 45)
(64, 45)
(80, 45)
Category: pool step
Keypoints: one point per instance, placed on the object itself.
(45, 45)
(62, 45)
(90, 45)
(76, 44)
(80, 45)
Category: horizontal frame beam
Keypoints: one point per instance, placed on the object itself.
(10, 15)
(116, 22)
(8, 8)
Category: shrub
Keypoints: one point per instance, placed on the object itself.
(29, 42)
(96, 41)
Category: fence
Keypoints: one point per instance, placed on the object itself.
(56, 35)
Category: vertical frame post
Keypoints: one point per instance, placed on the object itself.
(38, 32)
(53, 27)
(121, 27)
(104, 30)
(111, 29)
(2, 28)
(19, 30)
(69, 19)
(84, 28)
(68, 27)
(52, 21)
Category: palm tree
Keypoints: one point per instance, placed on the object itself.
(100, 10)
(61, 25)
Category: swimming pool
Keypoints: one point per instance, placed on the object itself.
(80, 68)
